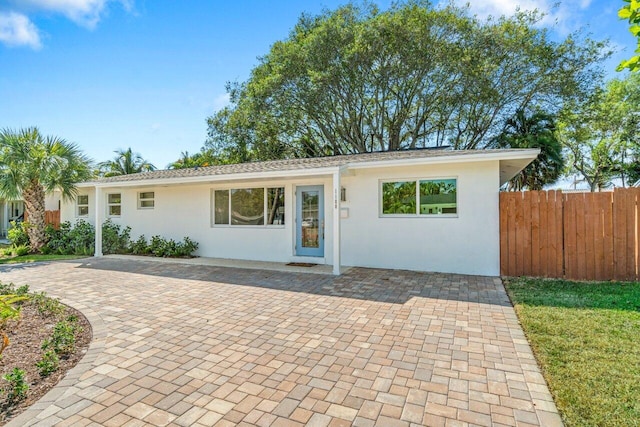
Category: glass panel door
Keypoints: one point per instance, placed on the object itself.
(310, 221)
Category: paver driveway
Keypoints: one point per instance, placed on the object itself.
(198, 345)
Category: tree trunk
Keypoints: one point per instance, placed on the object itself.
(33, 197)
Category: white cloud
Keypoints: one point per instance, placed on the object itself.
(221, 101)
(83, 12)
(17, 30)
(563, 15)
(86, 13)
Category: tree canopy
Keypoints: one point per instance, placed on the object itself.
(201, 158)
(31, 165)
(537, 130)
(601, 134)
(125, 162)
(359, 79)
(631, 13)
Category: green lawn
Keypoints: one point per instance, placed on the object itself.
(36, 258)
(586, 337)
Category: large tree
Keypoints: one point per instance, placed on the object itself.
(535, 130)
(631, 13)
(359, 79)
(601, 135)
(124, 163)
(32, 165)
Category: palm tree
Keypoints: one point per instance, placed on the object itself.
(186, 160)
(535, 131)
(126, 162)
(32, 165)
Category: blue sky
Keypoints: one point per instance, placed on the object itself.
(112, 74)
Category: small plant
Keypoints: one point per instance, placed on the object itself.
(22, 290)
(17, 388)
(7, 288)
(17, 233)
(48, 363)
(63, 340)
(46, 305)
(7, 251)
(21, 250)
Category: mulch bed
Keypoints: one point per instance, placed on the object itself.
(26, 338)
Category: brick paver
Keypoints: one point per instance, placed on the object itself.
(184, 345)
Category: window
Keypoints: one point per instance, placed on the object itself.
(420, 197)
(82, 204)
(221, 203)
(399, 197)
(275, 206)
(438, 196)
(249, 206)
(146, 200)
(114, 204)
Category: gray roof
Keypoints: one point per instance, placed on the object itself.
(294, 164)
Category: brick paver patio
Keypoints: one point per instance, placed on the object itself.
(200, 346)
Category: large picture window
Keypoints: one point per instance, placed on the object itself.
(420, 197)
(249, 206)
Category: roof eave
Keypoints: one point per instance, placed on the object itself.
(525, 154)
(203, 179)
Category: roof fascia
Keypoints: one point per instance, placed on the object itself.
(214, 178)
(486, 156)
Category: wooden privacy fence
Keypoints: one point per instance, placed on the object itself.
(582, 236)
(50, 217)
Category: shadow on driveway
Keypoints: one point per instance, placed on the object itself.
(379, 285)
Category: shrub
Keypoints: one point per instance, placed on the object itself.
(114, 240)
(17, 233)
(187, 247)
(9, 310)
(77, 239)
(48, 363)
(140, 246)
(170, 248)
(17, 388)
(7, 251)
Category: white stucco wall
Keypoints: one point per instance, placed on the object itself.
(185, 210)
(468, 243)
(52, 200)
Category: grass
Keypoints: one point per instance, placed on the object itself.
(586, 337)
(35, 258)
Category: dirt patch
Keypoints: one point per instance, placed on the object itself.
(26, 338)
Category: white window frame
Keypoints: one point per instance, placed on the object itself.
(146, 199)
(109, 205)
(82, 205)
(417, 214)
(265, 204)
